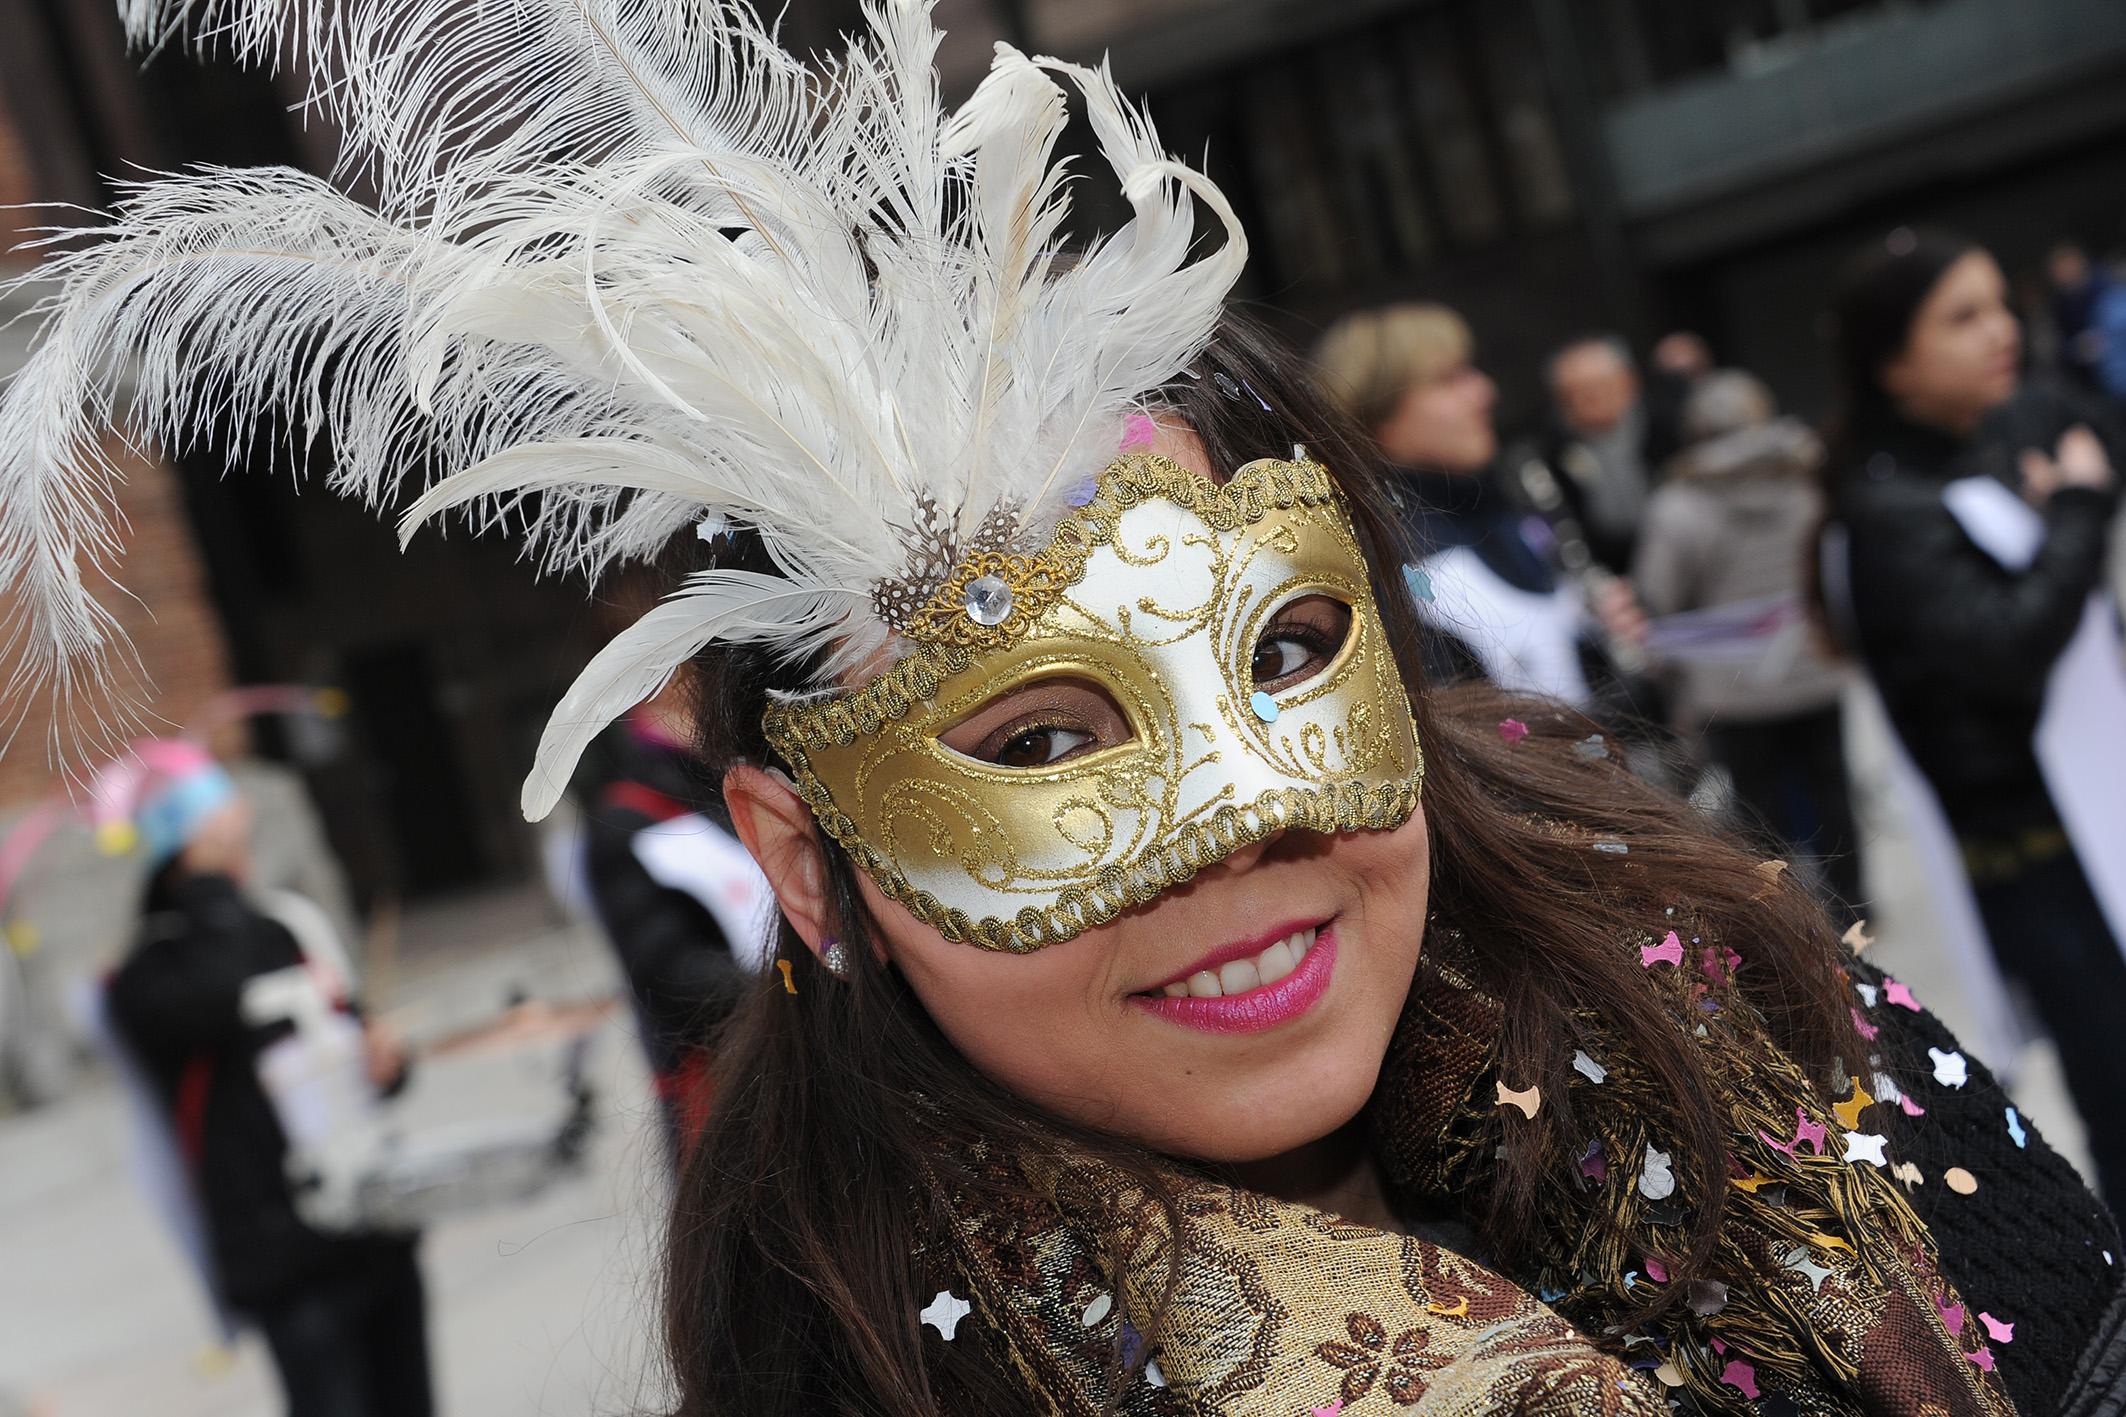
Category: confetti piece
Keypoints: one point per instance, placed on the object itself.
(1996, 1330)
(1611, 846)
(1866, 1146)
(945, 1313)
(1669, 1375)
(1527, 1099)
(1593, 1165)
(1129, 1343)
(1960, 1181)
(1895, 991)
(1865, 1029)
(1868, 994)
(1459, 1309)
(1512, 730)
(1906, 1172)
(2015, 1130)
(1420, 584)
(1983, 1359)
(1588, 1068)
(1804, 1264)
(1856, 937)
(1138, 431)
(1591, 749)
(1656, 1181)
(1740, 1376)
(1332, 1410)
(1848, 1112)
(1156, 1375)
(1952, 1316)
(1751, 1183)
(1808, 1131)
(2108, 1261)
(1669, 951)
(788, 984)
(1950, 1070)
(1097, 1310)
(1550, 1296)
(1657, 1271)
(1771, 872)
(1707, 1297)
(1910, 1108)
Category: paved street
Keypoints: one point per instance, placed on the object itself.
(541, 1308)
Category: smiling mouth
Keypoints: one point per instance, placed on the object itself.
(1240, 976)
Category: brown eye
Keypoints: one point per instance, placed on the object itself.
(1300, 642)
(1038, 747)
(1040, 724)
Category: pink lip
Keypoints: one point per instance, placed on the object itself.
(1257, 1009)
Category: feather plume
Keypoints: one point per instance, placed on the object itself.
(630, 264)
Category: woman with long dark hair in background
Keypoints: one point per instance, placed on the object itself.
(1177, 1006)
(1970, 520)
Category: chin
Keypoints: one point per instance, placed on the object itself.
(1259, 1125)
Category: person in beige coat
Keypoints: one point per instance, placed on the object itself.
(1729, 528)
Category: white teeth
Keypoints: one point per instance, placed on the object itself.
(1241, 975)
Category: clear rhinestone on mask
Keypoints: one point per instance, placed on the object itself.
(987, 601)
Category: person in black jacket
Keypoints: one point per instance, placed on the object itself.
(1960, 643)
(343, 1313)
(671, 888)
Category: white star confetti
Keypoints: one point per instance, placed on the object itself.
(1657, 1182)
(1587, 1067)
(1866, 1146)
(945, 1313)
(1950, 1069)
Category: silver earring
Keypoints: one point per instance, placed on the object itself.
(836, 958)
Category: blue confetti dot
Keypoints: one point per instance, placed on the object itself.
(2015, 1130)
(1265, 707)
(1420, 584)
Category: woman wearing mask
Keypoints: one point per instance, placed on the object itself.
(1175, 1007)
(1969, 528)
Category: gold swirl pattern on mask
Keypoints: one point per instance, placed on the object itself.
(1014, 859)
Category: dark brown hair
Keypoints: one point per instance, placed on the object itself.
(803, 1236)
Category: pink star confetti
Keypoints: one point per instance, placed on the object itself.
(1512, 730)
(1740, 1376)
(1138, 431)
(1911, 1108)
(1983, 1359)
(1808, 1131)
(1657, 1271)
(1863, 1027)
(1996, 1330)
(1332, 1410)
(1895, 991)
(1669, 951)
(1952, 1316)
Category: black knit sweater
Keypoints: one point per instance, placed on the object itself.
(2030, 1246)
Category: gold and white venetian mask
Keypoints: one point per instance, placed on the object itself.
(1231, 633)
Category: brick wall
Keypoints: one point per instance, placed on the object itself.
(165, 608)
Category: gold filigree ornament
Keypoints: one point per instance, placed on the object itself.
(1156, 591)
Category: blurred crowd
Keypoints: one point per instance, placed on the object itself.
(1712, 580)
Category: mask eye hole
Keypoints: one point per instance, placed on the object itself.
(1301, 640)
(1040, 725)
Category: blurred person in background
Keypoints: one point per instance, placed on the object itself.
(1483, 574)
(207, 1003)
(683, 906)
(1730, 526)
(2077, 286)
(1611, 432)
(1964, 560)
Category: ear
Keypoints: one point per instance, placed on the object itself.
(777, 828)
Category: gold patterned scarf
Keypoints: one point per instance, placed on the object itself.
(1825, 1298)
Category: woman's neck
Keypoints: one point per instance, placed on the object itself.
(1336, 1173)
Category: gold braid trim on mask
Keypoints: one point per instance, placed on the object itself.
(948, 640)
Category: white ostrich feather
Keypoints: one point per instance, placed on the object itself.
(629, 264)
